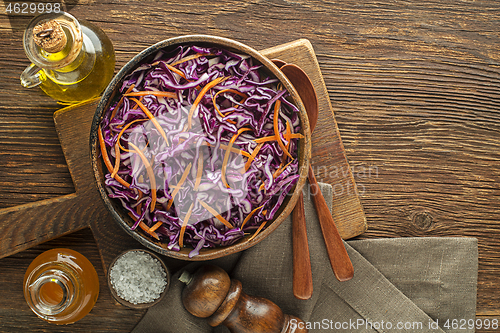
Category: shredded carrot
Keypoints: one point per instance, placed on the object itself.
(252, 157)
(236, 92)
(176, 71)
(288, 132)
(199, 171)
(168, 94)
(214, 98)
(123, 130)
(278, 171)
(226, 155)
(117, 160)
(277, 106)
(119, 104)
(184, 224)
(144, 227)
(249, 216)
(176, 190)
(148, 230)
(138, 208)
(152, 159)
(132, 216)
(151, 175)
(261, 187)
(281, 169)
(232, 150)
(137, 105)
(216, 214)
(153, 119)
(156, 226)
(106, 159)
(288, 137)
(274, 138)
(191, 57)
(258, 231)
(200, 96)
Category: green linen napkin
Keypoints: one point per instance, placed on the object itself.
(399, 285)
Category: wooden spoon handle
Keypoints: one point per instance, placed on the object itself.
(339, 259)
(302, 275)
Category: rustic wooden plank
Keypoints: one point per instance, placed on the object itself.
(46, 219)
(414, 86)
(433, 147)
(32, 167)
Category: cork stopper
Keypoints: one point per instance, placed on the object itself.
(50, 36)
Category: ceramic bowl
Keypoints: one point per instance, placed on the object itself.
(112, 94)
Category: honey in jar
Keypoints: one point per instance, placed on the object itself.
(61, 286)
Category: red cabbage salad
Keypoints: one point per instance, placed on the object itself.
(200, 147)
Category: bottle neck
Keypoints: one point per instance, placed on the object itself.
(47, 58)
(52, 289)
(79, 68)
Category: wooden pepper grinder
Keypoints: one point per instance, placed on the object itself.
(211, 294)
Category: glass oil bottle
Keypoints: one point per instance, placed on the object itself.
(72, 61)
(61, 286)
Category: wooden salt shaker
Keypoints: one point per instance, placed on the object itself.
(211, 294)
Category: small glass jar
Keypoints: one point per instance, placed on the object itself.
(61, 286)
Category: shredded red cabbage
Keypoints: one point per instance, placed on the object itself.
(247, 100)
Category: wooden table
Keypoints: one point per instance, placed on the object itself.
(415, 87)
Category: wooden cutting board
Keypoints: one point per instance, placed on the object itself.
(27, 225)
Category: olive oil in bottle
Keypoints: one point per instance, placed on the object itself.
(72, 61)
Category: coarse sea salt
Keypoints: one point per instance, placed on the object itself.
(137, 277)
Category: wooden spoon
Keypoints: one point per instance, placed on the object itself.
(278, 62)
(302, 273)
(337, 253)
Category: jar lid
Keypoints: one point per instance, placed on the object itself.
(53, 40)
(50, 36)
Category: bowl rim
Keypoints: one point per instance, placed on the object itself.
(107, 97)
